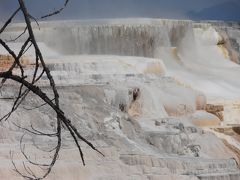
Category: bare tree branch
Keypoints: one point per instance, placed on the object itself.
(28, 85)
(9, 20)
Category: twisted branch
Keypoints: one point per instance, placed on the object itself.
(30, 86)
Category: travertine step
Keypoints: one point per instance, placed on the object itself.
(184, 166)
(220, 176)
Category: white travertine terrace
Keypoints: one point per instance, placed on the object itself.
(165, 133)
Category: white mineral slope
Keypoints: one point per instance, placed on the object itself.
(146, 146)
(190, 51)
(175, 66)
(205, 66)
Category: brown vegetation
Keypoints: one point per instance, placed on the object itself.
(217, 110)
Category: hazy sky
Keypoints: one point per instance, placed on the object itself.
(177, 9)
